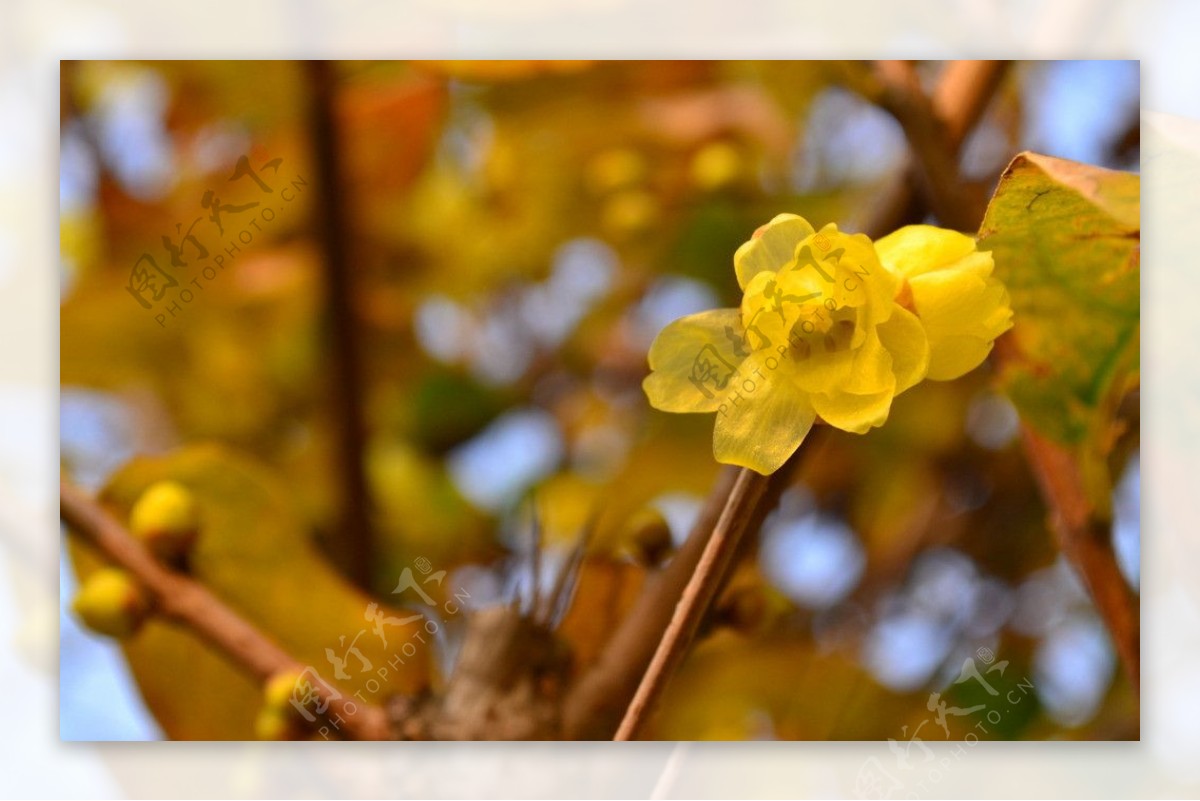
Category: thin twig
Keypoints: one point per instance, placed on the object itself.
(962, 93)
(936, 155)
(184, 600)
(356, 540)
(597, 701)
(1086, 541)
(697, 596)
(535, 555)
(567, 581)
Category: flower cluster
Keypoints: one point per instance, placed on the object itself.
(831, 327)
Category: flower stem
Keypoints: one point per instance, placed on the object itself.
(697, 596)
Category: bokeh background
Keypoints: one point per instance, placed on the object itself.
(515, 235)
(37, 35)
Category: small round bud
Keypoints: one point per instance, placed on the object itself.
(648, 537)
(279, 690)
(166, 519)
(276, 724)
(111, 602)
(278, 719)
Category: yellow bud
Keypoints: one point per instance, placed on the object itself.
(276, 724)
(278, 719)
(279, 689)
(166, 519)
(648, 537)
(112, 603)
(716, 166)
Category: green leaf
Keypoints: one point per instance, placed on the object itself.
(253, 553)
(1066, 241)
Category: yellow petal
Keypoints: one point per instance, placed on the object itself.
(872, 368)
(861, 280)
(799, 288)
(806, 296)
(951, 356)
(692, 361)
(881, 284)
(904, 337)
(772, 247)
(864, 370)
(822, 372)
(917, 249)
(764, 418)
(767, 313)
(854, 413)
(962, 315)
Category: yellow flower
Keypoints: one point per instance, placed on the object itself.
(962, 306)
(821, 333)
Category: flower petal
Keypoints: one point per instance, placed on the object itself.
(904, 337)
(766, 315)
(949, 302)
(822, 372)
(864, 370)
(693, 359)
(772, 247)
(916, 249)
(764, 418)
(861, 279)
(854, 413)
(962, 314)
(954, 356)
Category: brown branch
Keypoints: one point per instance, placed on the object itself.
(599, 700)
(962, 94)
(596, 703)
(1086, 541)
(183, 600)
(936, 156)
(356, 534)
(957, 103)
(697, 596)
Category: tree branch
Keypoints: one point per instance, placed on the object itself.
(182, 599)
(957, 103)
(1086, 541)
(597, 701)
(356, 533)
(697, 596)
(936, 157)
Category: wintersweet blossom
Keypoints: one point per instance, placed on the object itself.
(831, 327)
(949, 283)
